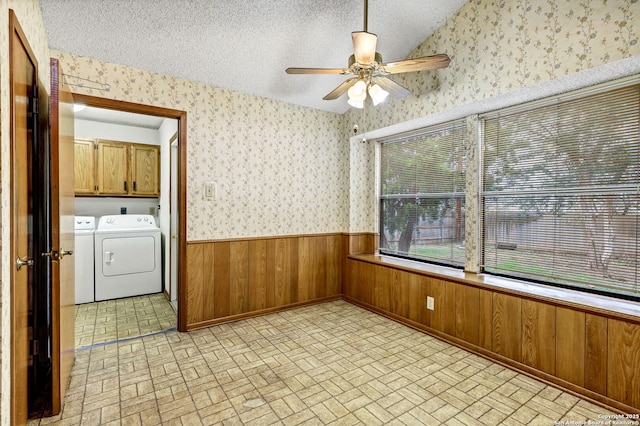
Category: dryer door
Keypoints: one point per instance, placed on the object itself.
(128, 255)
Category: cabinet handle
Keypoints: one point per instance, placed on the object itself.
(134, 186)
(125, 186)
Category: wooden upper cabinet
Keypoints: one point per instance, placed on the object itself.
(116, 169)
(84, 166)
(112, 168)
(145, 165)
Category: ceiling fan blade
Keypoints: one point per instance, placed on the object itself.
(417, 64)
(364, 46)
(392, 87)
(316, 71)
(341, 90)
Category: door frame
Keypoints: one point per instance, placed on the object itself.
(173, 143)
(181, 116)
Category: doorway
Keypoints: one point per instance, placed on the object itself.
(169, 212)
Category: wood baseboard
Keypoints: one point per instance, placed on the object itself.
(232, 318)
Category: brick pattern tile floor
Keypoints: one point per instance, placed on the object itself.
(332, 363)
(110, 320)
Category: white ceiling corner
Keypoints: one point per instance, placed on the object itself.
(243, 46)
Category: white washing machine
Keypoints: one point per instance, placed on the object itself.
(83, 254)
(128, 258)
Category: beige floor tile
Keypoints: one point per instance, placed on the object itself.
(332, 363)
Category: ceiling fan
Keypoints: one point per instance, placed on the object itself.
(370, 72)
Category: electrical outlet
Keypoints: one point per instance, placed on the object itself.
(430, 303)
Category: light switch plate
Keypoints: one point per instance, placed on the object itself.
(209, 190)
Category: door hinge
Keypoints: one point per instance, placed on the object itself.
(34, 105)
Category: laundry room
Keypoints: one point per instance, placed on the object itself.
(122, 175)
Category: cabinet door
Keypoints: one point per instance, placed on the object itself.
(145, 179)
(84, 166)
(112, 168)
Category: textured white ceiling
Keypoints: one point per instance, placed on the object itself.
(244, 46)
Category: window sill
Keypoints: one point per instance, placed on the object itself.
(588, 302)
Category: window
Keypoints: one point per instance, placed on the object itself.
(422, 195)
(561, 191)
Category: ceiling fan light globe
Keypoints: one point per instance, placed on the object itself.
(356, 104)
(377, 93)
(358, 92)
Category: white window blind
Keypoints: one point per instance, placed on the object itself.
(422, 195)
(561, 192)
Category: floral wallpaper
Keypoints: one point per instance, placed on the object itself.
(30, 19)
(279, 169)
(496, 47)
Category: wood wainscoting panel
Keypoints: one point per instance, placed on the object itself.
(364, 282)
(623, 381)
(334, 264)
(349, 276)
(485, 332)
(425, 291)
(230, 279)
(195, 282)
(443, 316)
(539, 335)
(407, 296)
(320, 270)
(294, 266)
(239, 277)
(306, 282)
(595, 358)
(282, 271)
(208, 281)
(362, 243)
(570, 345)
(401, 289)
(222, 279)
(467, 314)
(507, 326)
(270, 278)
(439, 313)
(383, 287)
(257, 264)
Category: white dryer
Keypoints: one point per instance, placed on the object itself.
(128, 258)
(84, 253)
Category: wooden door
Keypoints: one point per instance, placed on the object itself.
(63, 236)
(145, 163)
(84, 166)
(22, 76)
(112, 168)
